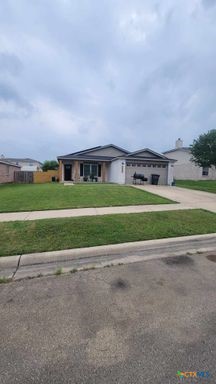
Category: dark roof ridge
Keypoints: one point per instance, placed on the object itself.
(95, 148)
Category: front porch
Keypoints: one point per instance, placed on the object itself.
(83, 171)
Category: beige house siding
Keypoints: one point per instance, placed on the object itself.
(7, 173)
(146, 154)
(113, 152)
(185, 169)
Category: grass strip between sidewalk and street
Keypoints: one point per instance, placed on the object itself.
(22, 237)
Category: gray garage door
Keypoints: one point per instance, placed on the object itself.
(147, 170)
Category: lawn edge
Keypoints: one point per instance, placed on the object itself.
(95, 206)
(102, 250)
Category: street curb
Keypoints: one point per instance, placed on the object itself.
(11, 262)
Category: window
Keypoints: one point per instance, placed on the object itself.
(154, 165)
(149, 165)
(94, 169)
(90, 169)
(205, 171)
(144, 165)
(87, 170)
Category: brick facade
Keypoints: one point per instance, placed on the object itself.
(7, 172)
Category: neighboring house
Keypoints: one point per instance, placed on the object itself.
(26, 164)
(110, 163)
(7, 171)
(184, 168)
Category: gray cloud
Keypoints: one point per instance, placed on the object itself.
(10, 63)
(209, 3)
(14, 105)
(77, 74)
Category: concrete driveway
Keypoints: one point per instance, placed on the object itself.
(189, 198)
(137, 323)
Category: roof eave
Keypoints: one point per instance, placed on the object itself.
(10, 164)
(83, 159)
(178, 149)
(147, 159)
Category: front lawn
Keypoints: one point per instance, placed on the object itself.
(201, 185)
(54, 234)
(36, 197)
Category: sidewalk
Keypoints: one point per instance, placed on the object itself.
(36, 215)
(185, 198)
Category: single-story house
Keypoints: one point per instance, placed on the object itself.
(7, 171)
(184, 168)
(26, 164)
(110, 163)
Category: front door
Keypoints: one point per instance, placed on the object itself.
(67, 172)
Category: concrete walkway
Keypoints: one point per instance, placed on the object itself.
(187, 199)
(36, 215)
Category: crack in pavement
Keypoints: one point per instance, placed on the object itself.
(17, 267)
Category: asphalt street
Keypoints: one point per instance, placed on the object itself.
(136, 323)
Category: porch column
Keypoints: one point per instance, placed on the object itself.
(103, 172)
(61, 171)
(76, 170)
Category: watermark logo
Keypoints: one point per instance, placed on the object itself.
(197, 374)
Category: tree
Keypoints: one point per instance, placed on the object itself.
(50, 164)
(203, 149)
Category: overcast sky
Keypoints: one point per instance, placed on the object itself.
(81, 73)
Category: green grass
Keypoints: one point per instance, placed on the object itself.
(201, 185)
(54, 234)
(34, 197)
(4, 280)
(58, 271)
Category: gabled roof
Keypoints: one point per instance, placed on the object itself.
(2, 161)
(184, 149)
(85, 150)
(156, 154)
(91, 154)
(86, 157)
(23, 160)
(87, 153)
